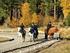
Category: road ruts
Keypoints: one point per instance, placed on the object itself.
(34, 48)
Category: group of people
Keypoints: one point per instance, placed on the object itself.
(34, 31)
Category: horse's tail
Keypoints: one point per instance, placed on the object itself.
(24, 32)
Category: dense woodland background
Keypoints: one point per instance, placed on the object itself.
(15, 12)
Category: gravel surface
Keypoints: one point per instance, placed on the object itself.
(18, 46)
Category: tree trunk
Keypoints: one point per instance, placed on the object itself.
(55, 9)
(11, 14)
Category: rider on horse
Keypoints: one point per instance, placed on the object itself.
(22, 31)
(34, 30)
(49, 25)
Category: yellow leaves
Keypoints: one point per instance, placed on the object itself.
(25, 8)
(63, 3)
(25, 21)
(47, 19)
(66, 11)
(27, 18)
(13, 22)
(65, 32)
(36, 18)
(66, 7)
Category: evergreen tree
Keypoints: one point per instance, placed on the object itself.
(9, 5)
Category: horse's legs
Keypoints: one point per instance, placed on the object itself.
(49, 37)
(36, 38)
(31, 37)
(23, 36)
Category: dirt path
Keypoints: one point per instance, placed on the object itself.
(59, 47)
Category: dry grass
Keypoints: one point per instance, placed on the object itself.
(41, 29)
(61, 47)
(65, 32)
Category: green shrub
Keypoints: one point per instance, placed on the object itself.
(67, 20)
(3, 13)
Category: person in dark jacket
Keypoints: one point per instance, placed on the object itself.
(34, 30)
(22, 31)
(49, 25)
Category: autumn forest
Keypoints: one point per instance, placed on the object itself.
(15, 12)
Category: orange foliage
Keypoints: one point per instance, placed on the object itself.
(13, 23)
(25, 21)
(25, 9)
(26, 17)
(47, 19)
(66, 7)
(35, 18)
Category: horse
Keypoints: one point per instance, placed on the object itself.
(52, 31)
(21, 33)
(33, 34)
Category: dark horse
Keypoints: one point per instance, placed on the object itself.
(34, 32)
(35, 35)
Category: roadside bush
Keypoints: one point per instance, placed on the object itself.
(67, 20)
(65, 33)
